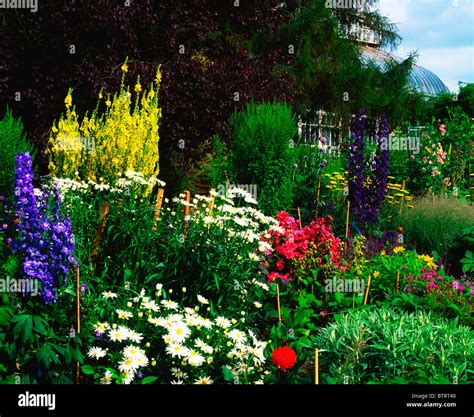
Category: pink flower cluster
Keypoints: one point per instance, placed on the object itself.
(433, 280)
(289, 242)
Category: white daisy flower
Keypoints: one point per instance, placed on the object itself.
(175, 318)
(107, 378)
(96, 352)
(237, 336)
(223, 322)
(132, 351)
(134, 336)
(202, 300)
(150, 305)
(177, 382)
(179, 332)
(128, 364)
(204, 381)
(101, 327)
(122, 314)
(108, 295)
(170, 304)
(177, 350)
(194, 358)
(141, 360)
(117, 335)
(178, 373)
(155, 320)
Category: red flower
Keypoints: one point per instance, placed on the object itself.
(284, 357)
(280, 265)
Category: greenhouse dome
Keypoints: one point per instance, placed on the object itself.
(421, 79)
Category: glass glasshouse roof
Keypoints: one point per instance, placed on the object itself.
(421, 79)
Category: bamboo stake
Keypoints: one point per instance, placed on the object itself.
(398, 280)
(278, 302)
(316, 366)
(104, 211)
(367, 291)
(347, 217)
(186, 212)
(211, 203)
(299, 217)
(159, 202)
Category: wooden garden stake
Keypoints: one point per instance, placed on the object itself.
(398, 280)
(347, 218)
(186, 211)
(211, 203)
(299, 217)
(104, 211)
(316, 366)
(278, 302)
(367, 291)
(159, 202)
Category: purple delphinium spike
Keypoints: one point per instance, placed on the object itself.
(45, 241)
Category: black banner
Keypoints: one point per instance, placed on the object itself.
(237, 400)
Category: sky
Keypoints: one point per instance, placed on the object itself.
(442, 31)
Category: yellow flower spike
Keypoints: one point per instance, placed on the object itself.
(108, 103)
(124, 68)
(68, 101)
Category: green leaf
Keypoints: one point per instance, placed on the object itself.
(39, 324)
(228, 375)
(5, 315)
(23, 327)
(45, 355)
(87, 369)
(149, 379)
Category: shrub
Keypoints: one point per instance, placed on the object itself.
(434, 224)
(261, 155)
(103, 146)
(12, 142)
(387, 346)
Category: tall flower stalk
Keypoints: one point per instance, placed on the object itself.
(356, 163)
(367, 191)
(44, 240)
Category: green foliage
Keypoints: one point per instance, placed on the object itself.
(260, 153)
(435, 224)
(12, 142)
(306, 172)
(468, 262)
(35, 342)
(384, 346)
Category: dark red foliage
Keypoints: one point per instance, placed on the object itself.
(197, 97)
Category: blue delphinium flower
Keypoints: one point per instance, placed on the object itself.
(45, 241)
(367, 196)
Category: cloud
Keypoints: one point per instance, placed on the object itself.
(442, 33)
